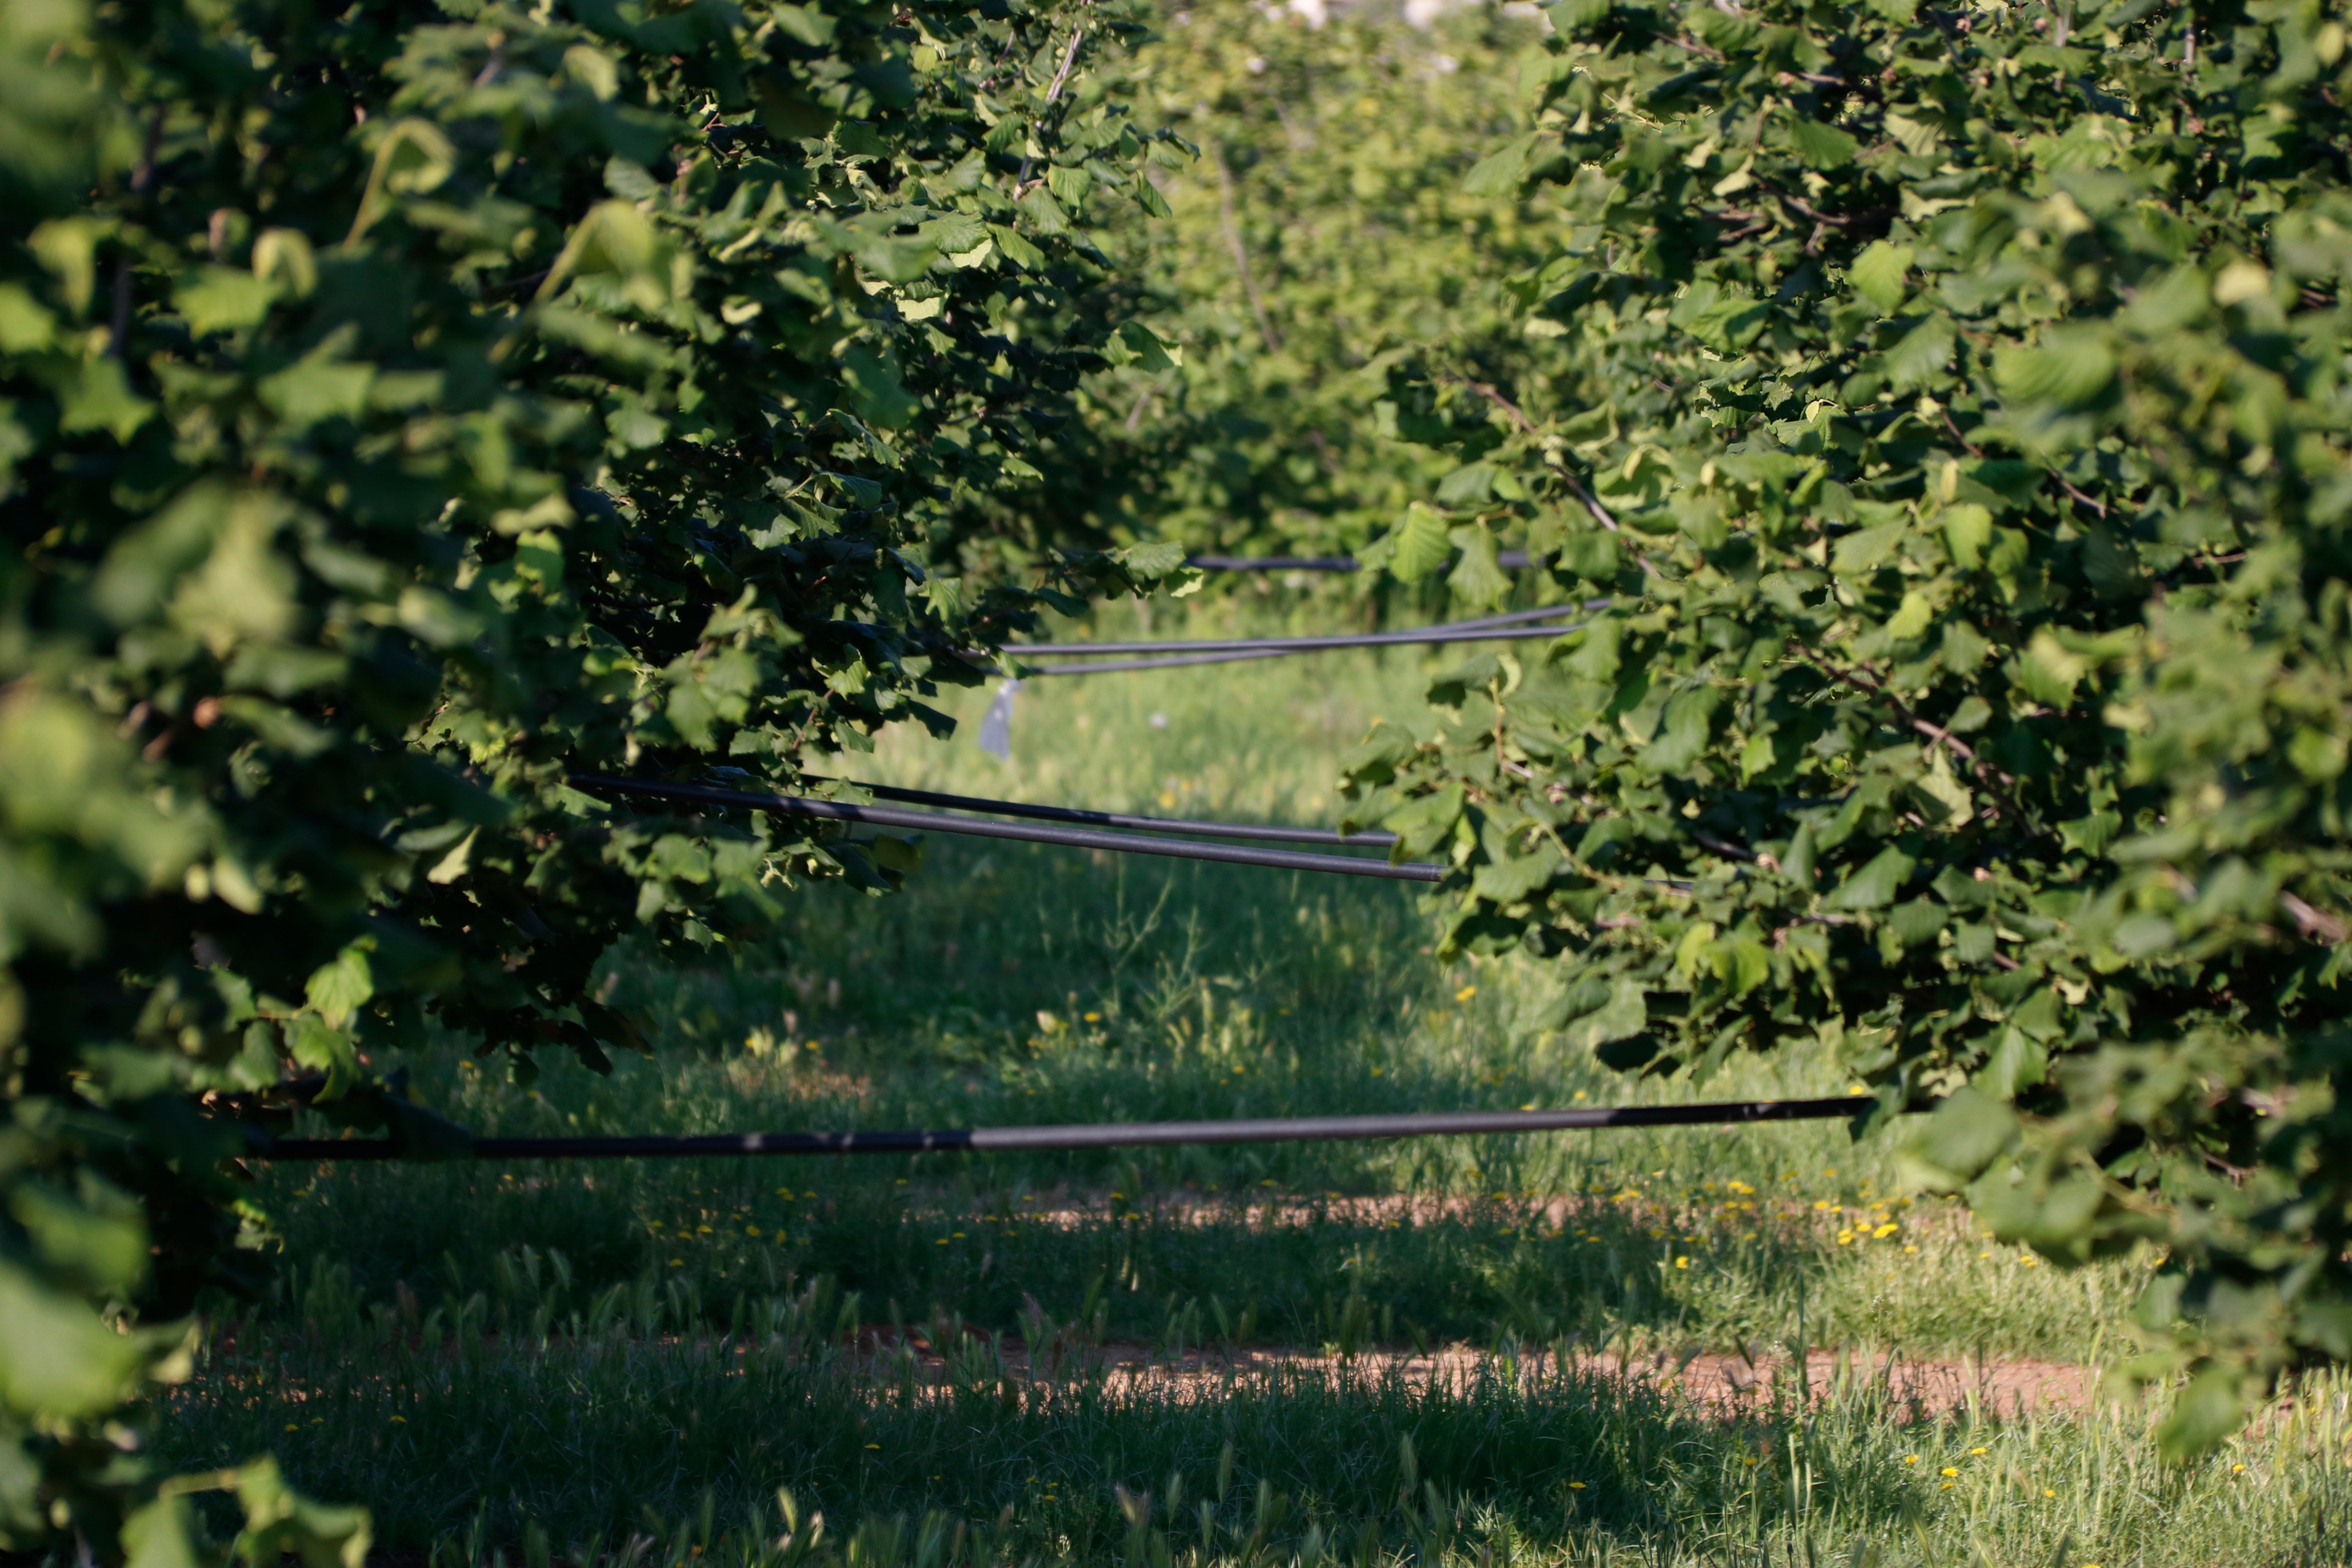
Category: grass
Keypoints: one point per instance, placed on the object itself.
(586, 1360)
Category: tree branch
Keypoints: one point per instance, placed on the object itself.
(1232, 228)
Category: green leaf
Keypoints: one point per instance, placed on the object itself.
(1878, 274)
(1497, 173)
(1822, 146)
(1152, 560)
(340, 987)
(1423, 823)
(222, 300)
(63, 1363)
(97, 1236)
(901, 855)
(1875, 886)
(1150, 352)
(318, 389)
(280, 1522)
(1477, 578)
(96, 396)
(26, 328)
(1422, 544)
(2213, 1405)
(876, 390)
(1685, 731)
(1919, 359)
(1521, 877)
(1626, 1014)
(2069, 369)
(1968, 1133)
(164, 1534)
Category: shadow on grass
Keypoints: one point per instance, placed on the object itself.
(587, 1440)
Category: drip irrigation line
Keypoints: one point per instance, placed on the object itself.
(1268, 832)
(1279, 649)
(1076, 838)
(1440, 634)
(1103, 1135)
(1508, 558)
(1478, 629)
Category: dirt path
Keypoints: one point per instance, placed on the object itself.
(1723, 1384)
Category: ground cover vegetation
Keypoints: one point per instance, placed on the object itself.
(1952, 402)
(582, 1356)
(406, 407)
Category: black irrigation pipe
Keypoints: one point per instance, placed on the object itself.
(1103, 1135)
(1310, 563)
(1419, 635)
(1076, 838)
(1249, 830)
(1478, 630)
(1282, 647)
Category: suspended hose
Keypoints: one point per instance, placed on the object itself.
(1102, 1135)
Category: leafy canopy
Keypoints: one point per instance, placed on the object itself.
(399, 410)
(1952, 402)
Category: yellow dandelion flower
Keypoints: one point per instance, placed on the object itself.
(1910, 1458)
(1951, 1472)
(1576, 1486)
(1465, 994)
(1682, 1263)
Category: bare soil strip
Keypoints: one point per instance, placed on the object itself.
(1726, 1385)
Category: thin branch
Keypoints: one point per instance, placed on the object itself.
(2096, 506)
(1808, 210)
(1069, 56)
(1234, 242)
(1134, 420)
(1021, 184)
(1722, 846)
(2314, 922)
(142, 174)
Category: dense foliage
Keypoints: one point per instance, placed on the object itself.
(1953, 400)
(399, 408)
(1324, 235)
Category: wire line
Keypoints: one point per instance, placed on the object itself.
(1250, 830)
(1507, 558)
(1100, 1135)
(1081, 838)
(1443, 631)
